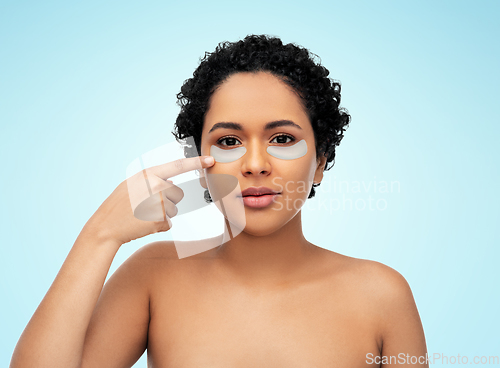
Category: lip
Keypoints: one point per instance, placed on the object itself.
(258, 197)
(258, 191)
(259, 201)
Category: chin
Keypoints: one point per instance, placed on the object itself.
(259, 232)
(262, 222)
(259, 225)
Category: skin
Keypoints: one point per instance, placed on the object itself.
(268, 297)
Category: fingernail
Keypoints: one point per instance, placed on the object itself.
(208, 160)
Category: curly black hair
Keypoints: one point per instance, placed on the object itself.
(293, 64)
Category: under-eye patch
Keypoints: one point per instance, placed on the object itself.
(298, 150)
(284, 153)
(230, 155)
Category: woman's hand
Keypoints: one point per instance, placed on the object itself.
(55, 335)
(149, 195)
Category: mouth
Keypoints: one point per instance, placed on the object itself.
(257, 192)
(259, 201)
(258, 197)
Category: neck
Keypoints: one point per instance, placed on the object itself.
(272, 258)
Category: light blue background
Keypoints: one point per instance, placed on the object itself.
(86, 88)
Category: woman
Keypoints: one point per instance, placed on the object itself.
(266, 297)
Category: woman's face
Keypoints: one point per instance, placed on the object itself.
(250, 101)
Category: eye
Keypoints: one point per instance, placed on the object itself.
(231, 141)
(282, 138)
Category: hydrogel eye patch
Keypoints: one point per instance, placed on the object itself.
(298, 150)
(222, 155)
(284, 153)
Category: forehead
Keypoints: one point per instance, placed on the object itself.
(255, 99)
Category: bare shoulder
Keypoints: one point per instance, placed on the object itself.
(376, 291)
(379, 277)
(164, 250)
(146, 261)
(388, 292)
(374, 281)
(159, 264)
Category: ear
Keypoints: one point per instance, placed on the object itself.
(318, 174)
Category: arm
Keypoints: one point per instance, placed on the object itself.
(83, 329)
(118, 330)
(55, 334)
(402, 331)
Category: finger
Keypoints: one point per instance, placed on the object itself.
(169, 207)
(168, 188)
(181, 166)
(144, 185)
(173, 193)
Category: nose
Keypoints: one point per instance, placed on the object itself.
(256, 160)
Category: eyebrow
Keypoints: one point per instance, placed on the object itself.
(269, 126)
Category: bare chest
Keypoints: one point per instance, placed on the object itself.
(213, 325)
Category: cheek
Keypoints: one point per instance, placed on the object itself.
(299, 158)
(295, 177)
